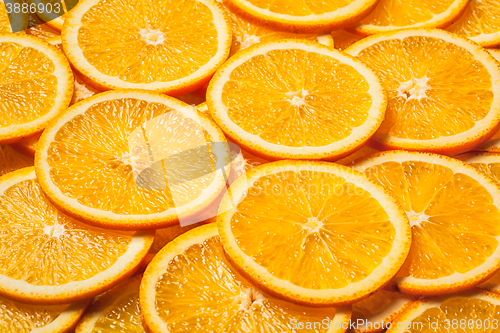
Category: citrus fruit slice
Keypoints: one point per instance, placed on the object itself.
(342, 39)
(246, 34)
(190, 282)
(475, 311)
(364, 151)
(452, 209)
(50, 258)
(36, 84)
(132, 160)
(391, 15)
(173, 49)
(11, 160)
(27, 146)
(433, 106)
(372, 314)
(272, 97)
(311, 16)
(480, 22)
(27, 318)
(117, 311)
(314, 233)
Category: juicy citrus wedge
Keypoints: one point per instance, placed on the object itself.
(36, 84)
(11, 160)
(315, 233)
(296, 100)
(476, 311)
(132, 160)
(400, 14)
(117, 311)
(480, 22)
(27, 146)
(27, 318)
(246, 34)
(190, 286)
(173, 49)
(342, 39)
(433, 106)
(372, 314)
(311, 16)
(50, 258)
(453, 209)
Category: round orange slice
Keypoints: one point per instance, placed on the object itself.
(36, 84)
(296, 100)
(314, 233)
(117, 311)
(474, 311)
(190, 286)
(310, 16)
(443, 90)
(453, 209)
(480, 22)
(28, 318)
(391, 15)
(173, 49)
(133, 160)
(47, 257)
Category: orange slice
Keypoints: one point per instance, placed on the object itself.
(373, 314)
(173, 49)
(296, 100)
(50, 258)
(11, 160)
(480, 22)
(314, 233)
(190, 286)
(36, 84)
(430, 105)
(246, 34)
(475, 311)
(392, 15)
(27, 318)
(117, 311)
(452, 209)
(132, 160)
(311, 16)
